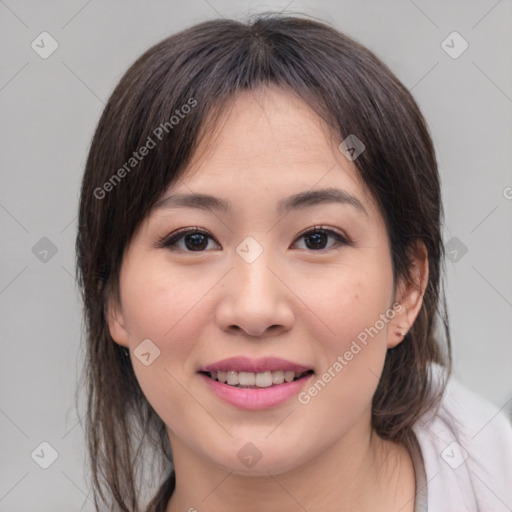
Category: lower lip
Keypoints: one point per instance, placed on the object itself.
(256, 398)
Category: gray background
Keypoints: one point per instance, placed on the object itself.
(49, 109)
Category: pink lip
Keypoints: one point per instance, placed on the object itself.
(256, 398)
(245, 364)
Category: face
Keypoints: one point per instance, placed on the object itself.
(307, 280)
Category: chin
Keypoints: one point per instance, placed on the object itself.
(249, 460)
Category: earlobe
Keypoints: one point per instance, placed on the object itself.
(410, 296)
(116, 324)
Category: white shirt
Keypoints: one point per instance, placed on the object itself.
(463, 465)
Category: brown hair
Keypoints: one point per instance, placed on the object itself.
(204, 66)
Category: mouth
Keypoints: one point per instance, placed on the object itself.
(255, 384)
(253, 380)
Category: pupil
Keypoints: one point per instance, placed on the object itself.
(316, 240)
(198, 241)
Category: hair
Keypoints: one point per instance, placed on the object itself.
(203, 67)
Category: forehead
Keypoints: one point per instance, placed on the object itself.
(267, 124)
(269, 139)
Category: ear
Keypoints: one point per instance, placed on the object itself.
(116, 323)
(409, 296)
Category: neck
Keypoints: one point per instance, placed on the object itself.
(360, 473)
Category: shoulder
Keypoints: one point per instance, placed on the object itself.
(466, 447)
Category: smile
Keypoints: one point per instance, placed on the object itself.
(256, 380)
(255, 396)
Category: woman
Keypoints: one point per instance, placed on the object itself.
(260, 258)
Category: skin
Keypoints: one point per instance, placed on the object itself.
(296, 302)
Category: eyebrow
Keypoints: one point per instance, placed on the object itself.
(297, 201)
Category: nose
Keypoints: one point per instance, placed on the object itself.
(255, 301)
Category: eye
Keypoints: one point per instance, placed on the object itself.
(197, 240)
(317, 238)
(188, 240)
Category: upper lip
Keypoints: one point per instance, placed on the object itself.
(245, 364)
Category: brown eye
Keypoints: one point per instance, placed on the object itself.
(317, 239)
(196, 241)
(188, 240)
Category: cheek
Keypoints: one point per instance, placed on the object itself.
(350, 303)
(352, 352)
(168, 310)
(158, 303)
(349, 300)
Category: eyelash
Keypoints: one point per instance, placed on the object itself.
(169, 241)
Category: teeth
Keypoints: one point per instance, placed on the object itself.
(289, 376)
(232, 378)
(261, 379)
(264, 379)
(246, 378)
(278, 377)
